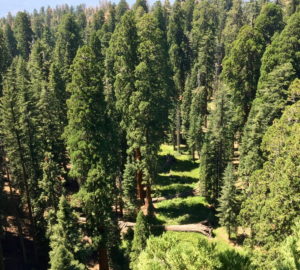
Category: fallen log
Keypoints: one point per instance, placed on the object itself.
(196, 227)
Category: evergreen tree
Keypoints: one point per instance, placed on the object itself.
(218, 146)
(276, 185)
(11, 43)
(51, 183)
(278, 70)
(241, 68)
(289, 250)
(241, 71)
(4, 59)
(121, 9)
(67, 43)
(227, 201)
(141, 234)
(234, 21)
(19, 137)
(62, 259)
(101, 222)
(64, 239)
(23, 34)
(91, 148)
(179, 58)
(202, 73)
(86, 110)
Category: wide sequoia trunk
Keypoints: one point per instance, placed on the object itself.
(103, 259)
(139, 179)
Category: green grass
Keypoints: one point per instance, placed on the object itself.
(183, 211)
(178, 182)
(182, 177)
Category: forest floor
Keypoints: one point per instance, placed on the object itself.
(177, 200)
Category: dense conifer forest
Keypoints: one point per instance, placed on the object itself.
(151, 137)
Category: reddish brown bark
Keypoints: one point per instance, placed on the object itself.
(139, 179)
(148, 202)
(103, 259)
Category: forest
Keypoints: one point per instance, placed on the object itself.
(151, 137)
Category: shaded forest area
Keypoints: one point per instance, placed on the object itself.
(158, 137)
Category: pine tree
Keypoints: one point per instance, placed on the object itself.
(141, 234)
(278, 70)
(91, 148)
(275, 186)
(227, 201)
(62, 259)
(234, 21)
(241, 71)
(149, 103)
(241, 68)
(86, 109)
(23, 34)
(200, 82)
(67, 43)
(51, 183)
(217, 149)
(179, 57)
(4, 59)
(101, 222)
(65, 239)
(121, 9)
(11, 43)
(19, 137)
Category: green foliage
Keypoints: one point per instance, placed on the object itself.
(241, 71)
(234, 21)
(51, 183)
(275, 186)
(23, 34)
(97, 194)
(166, 252)
(290, 250)
(86, 114)
(227, 201)
(141, 234)
(64, 239)
(217, 149)
(62, 259)
(129, 187)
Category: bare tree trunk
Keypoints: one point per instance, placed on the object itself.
(25, 182)
(174, 139)
(178, 127)
(16, 214)
(139, 179)
(149, 203)
(103, 259)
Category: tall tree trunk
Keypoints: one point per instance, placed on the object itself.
(25, 182)
(139, 179)
(16, 214)
(174, 139)
(103, 259)
(1, 255)
(178, 127)
(149, 203)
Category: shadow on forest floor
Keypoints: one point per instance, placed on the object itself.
(184, 211)
(164, 180)
(174, 190)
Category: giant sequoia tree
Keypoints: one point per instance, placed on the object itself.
(278, 69)
(179, 57)
(276, 185)
(90, 145)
